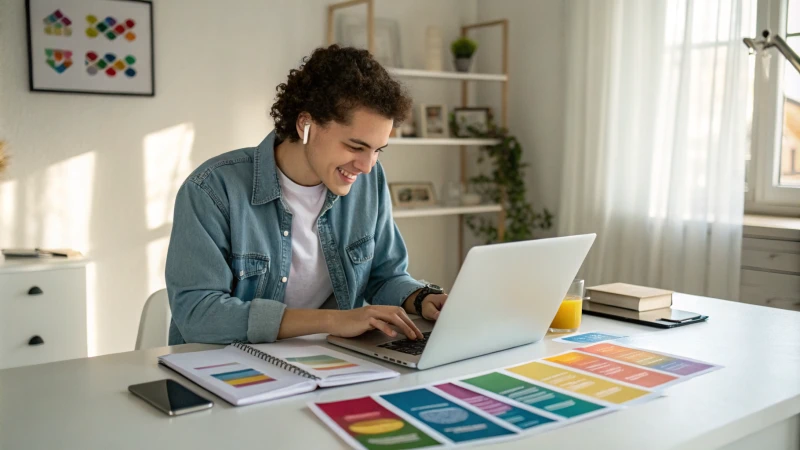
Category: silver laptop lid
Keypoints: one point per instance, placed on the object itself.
(505, 295)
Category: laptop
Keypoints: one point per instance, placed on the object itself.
(505, 295)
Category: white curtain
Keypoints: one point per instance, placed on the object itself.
(658, 101)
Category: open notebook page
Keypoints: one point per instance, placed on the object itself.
(332, 367)
(237, 377)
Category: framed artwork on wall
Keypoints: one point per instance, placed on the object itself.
(91, 46)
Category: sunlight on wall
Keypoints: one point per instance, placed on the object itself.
(156, 262)
(167, 164)
(8, 197)
(91, 309)
(59, 204)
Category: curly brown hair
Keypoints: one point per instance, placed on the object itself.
(330, 84)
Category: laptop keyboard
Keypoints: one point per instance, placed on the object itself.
(407, 345)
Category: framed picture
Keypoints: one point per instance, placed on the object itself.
(91, 46)
(352, 32)
(471, 117)
(407, 195)
(433, 121)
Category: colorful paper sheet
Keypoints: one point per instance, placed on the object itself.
(588, 385)
(503, 404)
(517, 417)
(365, 424)
(453, 421)
(664, 362)
(588, 338)
(538, 397)
(613, 369)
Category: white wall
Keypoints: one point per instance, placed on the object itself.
(536, 87)
(99, 173)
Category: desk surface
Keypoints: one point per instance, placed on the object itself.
(84, 403)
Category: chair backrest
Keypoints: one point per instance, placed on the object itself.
(154, 324)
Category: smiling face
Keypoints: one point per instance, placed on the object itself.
(339, 153)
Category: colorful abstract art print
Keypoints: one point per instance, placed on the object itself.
(59, 60)
(110, 27)
(110, 65)
(57, 24)
(114, 38)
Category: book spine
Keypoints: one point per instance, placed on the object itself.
(274, 360)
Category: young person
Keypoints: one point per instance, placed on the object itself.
(292, 237)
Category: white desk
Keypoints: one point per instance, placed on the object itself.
(84, 403)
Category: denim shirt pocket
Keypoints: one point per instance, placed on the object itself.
(361, 253)
(250, 275)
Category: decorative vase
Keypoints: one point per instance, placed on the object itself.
(462, 64)
(433, 49)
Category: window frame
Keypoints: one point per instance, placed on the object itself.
(764, 194)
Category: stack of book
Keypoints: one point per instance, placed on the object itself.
(630, 296)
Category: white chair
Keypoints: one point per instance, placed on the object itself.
(154, 324)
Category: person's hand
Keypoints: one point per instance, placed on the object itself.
(357, 321)
(432, 305)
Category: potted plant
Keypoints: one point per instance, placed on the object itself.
(463, 48)
(504, 184)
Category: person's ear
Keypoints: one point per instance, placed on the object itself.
(304, 126)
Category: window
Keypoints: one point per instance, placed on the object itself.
(776, 112)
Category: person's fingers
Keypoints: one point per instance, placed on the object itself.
(402, 313)
(390, 316)
(378, 324)
(430, 311)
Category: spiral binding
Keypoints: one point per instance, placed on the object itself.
(243, 346)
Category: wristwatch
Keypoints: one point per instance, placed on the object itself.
(428, 289)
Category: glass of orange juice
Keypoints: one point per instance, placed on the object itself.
(568, 317)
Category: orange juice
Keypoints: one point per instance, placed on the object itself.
(568, 317)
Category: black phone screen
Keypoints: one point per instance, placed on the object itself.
(170, 396)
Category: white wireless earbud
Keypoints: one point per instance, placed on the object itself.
(305, 133)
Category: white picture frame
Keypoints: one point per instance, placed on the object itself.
(412, 194)
(352, 32)
(91, 46)
(433, 121)
(477, 117)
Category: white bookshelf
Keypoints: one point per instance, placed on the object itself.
(433, 211)
(442, 141)
(463, 76)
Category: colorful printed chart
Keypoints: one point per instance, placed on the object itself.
(364, 423)
(614, 370)
(322, 362)
(676, 365)
(503, 404)
(238, 378)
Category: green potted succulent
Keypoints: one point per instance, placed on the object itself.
(463, 48)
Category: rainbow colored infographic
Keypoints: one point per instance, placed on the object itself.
(322, 362)
(237, 375)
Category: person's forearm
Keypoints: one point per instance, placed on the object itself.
(302, 322)
(408, 304)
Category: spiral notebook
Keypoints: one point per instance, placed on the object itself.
(242, 373)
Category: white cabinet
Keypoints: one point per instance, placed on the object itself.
(42, 311)
(771, 262)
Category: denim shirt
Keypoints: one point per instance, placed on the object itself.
(231, 249)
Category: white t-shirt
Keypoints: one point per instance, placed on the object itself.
(308, 284)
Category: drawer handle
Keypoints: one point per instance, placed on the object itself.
(36, 340)
(35, 291)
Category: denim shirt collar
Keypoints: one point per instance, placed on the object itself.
(265, 176)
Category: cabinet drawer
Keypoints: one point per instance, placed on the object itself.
(771, 254)
(770, 289)
(57, 315)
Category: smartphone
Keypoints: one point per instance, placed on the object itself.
(170, 397)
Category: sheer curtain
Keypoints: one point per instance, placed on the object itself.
(658, 101)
